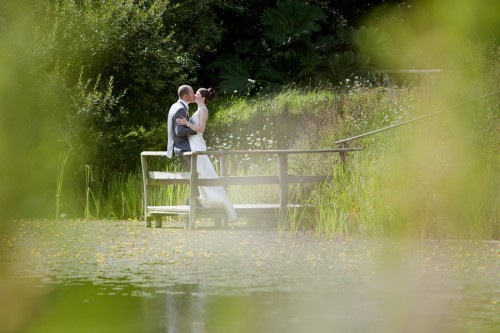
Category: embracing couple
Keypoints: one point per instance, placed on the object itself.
(186, 134)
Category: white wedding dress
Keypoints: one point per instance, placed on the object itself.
(211, 196)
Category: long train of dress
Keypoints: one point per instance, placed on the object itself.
(211, 196)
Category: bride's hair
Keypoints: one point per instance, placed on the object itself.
(209, 93)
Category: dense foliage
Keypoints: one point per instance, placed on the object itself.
(117, 64)
(94, 79)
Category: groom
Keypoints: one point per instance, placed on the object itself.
(178, 134)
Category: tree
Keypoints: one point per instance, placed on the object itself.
(295, 48)
(121, 62)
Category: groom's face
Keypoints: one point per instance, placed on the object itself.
(191, 96)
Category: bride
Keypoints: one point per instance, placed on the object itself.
(211, 196)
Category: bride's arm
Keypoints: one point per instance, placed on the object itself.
(200, 128)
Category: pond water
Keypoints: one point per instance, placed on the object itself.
(118, 276)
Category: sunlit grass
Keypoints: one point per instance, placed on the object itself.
(441, 174)
(406, 182)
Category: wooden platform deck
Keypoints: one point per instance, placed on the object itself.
(218, 214)
(255, 210)
(276, 211)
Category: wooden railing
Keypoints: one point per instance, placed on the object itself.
(386, 73)
(283, 179)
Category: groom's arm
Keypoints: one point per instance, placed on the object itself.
(182, 130)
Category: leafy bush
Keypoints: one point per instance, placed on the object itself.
(295, 50)
(119, 61)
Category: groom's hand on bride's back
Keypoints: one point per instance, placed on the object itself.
(181, 120)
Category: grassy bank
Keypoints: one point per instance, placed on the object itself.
(431, 179)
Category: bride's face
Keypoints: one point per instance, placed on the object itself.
(198, 98)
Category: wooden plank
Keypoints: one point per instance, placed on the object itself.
(410, 71)
(251, 211)
(154, 153)
(169, 175)
(253, 152)
(168, 178)
(237, 207)
(238, 180)
(157, 182)
(269, 152)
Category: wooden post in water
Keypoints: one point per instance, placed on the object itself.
(223, 165)
(223, 173)
(192, 192)
(144, 165)
(283, 178)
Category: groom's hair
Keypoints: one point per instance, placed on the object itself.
(183, 90)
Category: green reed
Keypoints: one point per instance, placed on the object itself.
(348, 204)
(113, 194)
(63, 159)
(122, 197)
(92, 197)
(383, 190)
(375, 194)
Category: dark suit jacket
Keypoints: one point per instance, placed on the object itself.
(177, 134)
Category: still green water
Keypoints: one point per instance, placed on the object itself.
(118, 276)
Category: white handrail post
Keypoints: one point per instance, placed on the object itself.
(144, 166)
(193, 186)
(283, 178)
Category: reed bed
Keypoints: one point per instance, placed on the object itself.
(388, 189)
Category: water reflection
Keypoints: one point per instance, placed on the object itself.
(182, 309)
(122, 277)
(85, 307)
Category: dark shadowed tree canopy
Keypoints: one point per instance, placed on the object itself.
(118, 63)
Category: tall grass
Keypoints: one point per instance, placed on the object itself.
(92, 197)
(63, 159)
(431, 179)
(413, 181)
(111, 194)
